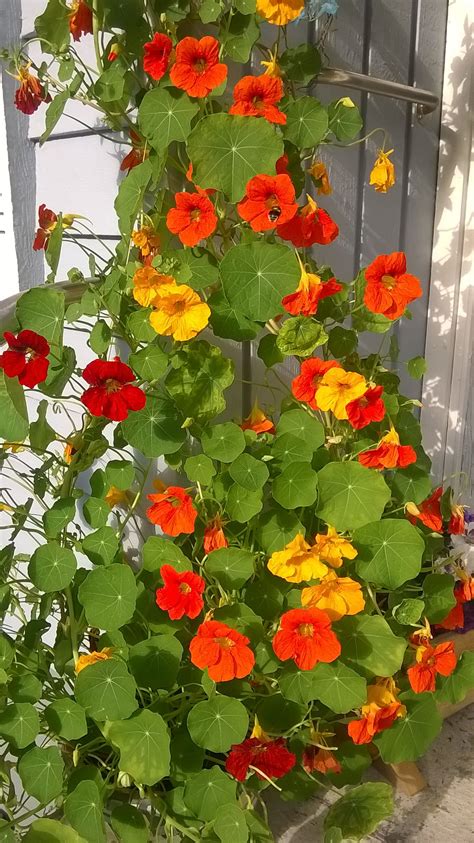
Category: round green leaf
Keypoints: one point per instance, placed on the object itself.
(50, 831)
(410, 736)
(345, 121)
(368, 641)
(248, 472)
(342, 341)
(42, 310)
(218, 723)
(299, 336)
(228, 322)
(351, 495)
(66, 718)
(411, 484)
(165, 115)
(452, 689)
(25, 687)
(129, 824)
(289, 448)
(186, 757)
(265, 596)
(58, 516)
(276, 714)
(101, 547)
(41, 772)
(200, 469)
(357, 814)
(120, 473)
(242, 505)
(256, 276)
(296, 685)
(389, 552)
(276, 528)
(296, 486)
(439, 596)
(223, 442)
(409, 611)
(301, 424)
(150, 363)
(338, 687)
(155, 430)
(144, 746)
(197, 267)
(231, 566)
(52, 567)
(208, 791)
(158, 551)
(306, 123)
(227, 151)
(198, 384)
(83, 809)
(301, 64)
(155, 662)
(7, 651)
(109, 596)
(230, 825)
(19, 724)
(96, 512)
(106, 690)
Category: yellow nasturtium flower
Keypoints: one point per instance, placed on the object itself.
(298, 562)
(337, 389)
(319, 173)
(333, 548)
(271, 66)
(337, 596)
(146, 284)
(280, 12)
(116, 497)
(178, 311)
(87, 659)
(382, 176)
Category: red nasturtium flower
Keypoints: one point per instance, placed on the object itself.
(305, 635)
(111, 393)
(430, 661)
(46, 222)
(157, 55)
(320, 760)
(268, 200)
(389, 288)
(456, 522)
(173, 511)
(197, 69)
(366, 409)
(193, 219)
(256, 96)
(309, 226)
(26, 357)
(258, 421)
(389, 453)
(310, 291)
(214, 536)
(30, 93)
(137, 154)
(223, 650)
(463, 593)
(181, 593)
(428, 511)
(80, 19)
(379, 712)
(306, 384)
(272, 758)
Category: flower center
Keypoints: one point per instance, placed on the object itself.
(272, 202)
(257, 101)
(225, 643)
(306, 630)
(179, 306)
(389, 282)
(200, 65)
(112, 385)
(184, 588)
(195, 215)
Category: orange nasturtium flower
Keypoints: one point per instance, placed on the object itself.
(390, 288)
(80, 19)
(47, 222)
(389, 453)
(320, 760)
(309, 226)
(223, 650)
(280, 12)
(138, 153)
(430, 661)
(258, 421)
(268, 201)
(197, 69)
(117, 497)
(147, 240)
(310, 291)
(193, 219)
(214, 536)
(30, 93)
(257, 96)
(456, 522)
(179, 311)
(333, 548)
(305, 635)
(463, 593)
(337, 596)
(382, 175)
(156, 56)
(306, 384)
(298, 562)
(337, 389)
(147, 282)
(319, 174)
(87, 659)
(181, 593)
(173, 511)
(380, 711)
(428, 511)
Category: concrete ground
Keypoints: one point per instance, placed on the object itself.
(442, 813)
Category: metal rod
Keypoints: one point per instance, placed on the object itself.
(425, 100)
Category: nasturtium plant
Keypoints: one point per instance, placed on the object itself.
(226, 566)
